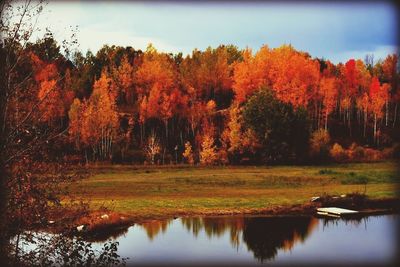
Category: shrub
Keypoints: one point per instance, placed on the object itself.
(355, 152)
(372, 154)
(319, 143)
(353, 146)
(358, 152)
(338, 153)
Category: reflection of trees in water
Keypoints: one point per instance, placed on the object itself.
(263, 236)
(193, 225)
(41, 249)
(354, 220)
(153, 228)
(216, 227)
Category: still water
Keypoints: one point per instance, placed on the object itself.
(261, 240)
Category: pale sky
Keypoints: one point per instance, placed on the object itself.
(335, 31)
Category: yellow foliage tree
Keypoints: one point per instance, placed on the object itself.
(208, 153)
(188, 153)
(100, 119)
(235, 139)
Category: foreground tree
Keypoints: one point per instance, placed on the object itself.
(51, 105)
(21, 141)
(30, 171)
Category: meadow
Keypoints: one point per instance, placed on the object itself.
(153, 192)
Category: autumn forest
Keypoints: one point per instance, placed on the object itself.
(98, 145)
(218, 106)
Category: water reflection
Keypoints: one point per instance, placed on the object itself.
(355, 221)
(153, 228)
(252, 240)
(263, 236)
(216, 227)
(266, 239)
(103, 236)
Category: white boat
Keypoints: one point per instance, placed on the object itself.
(335, 212)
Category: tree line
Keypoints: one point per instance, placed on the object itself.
(219, 106)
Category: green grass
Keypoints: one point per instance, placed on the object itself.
(153, 192)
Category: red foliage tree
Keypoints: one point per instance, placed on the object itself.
(51, 104)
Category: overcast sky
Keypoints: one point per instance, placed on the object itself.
(335, 31)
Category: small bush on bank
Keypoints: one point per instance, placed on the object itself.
(372, 155)
(356, 153)
(319, 144)
(338, 153)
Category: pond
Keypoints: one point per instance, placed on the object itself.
(261, 240)
(247, 240)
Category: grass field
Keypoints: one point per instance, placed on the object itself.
(158, 192)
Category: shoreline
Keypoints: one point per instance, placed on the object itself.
(99, 225)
